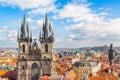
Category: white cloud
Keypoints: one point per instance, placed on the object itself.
(27, 4)
(71, 37)
(40, 22)
(4, 28)
(35, 6)
(75, 12)
(7, 34)
(94, 28)
(98, 27)
(97, 32)
(12, 33)
(42, 10)
(2, 34)
(30, 20)
(2, 38)
(79, 1)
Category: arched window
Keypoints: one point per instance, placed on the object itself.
(46, 48)
(35, 71)
(23, 48)
(34, 65)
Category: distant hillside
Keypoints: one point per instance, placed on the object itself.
(96, 48)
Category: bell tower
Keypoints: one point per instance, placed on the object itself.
(46, 39)
(24, 43)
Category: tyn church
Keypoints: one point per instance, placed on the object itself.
(34, 62)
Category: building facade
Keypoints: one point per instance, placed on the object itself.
(35, 61)
(82, 70)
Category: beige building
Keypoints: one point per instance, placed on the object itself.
(82, 70)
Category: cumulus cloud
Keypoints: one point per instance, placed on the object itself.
(2, 38)
(30, 20)
(40, 22)
(79, 1)
(89, 26)
(7, 34)
(4, 28)
(27, 4)
(71, 37)
(42, 10)
(97, 29)
(35, 6)
(37, 26)
(75, 12)
(12, 35)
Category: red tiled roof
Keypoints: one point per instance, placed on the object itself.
(45, 78)
(10, 74)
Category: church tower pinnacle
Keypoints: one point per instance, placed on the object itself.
(24, 30)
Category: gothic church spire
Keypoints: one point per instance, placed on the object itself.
(24, 29)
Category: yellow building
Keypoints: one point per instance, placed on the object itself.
(82, 70)
(81, 55)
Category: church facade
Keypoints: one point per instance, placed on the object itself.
(35, 61)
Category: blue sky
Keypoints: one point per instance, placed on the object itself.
(76, 23)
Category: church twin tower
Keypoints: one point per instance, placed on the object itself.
(34, 62)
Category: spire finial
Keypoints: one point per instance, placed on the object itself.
(24, 18)
(111, 46)
(46, 9)
(46, 13)
(46, 18)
